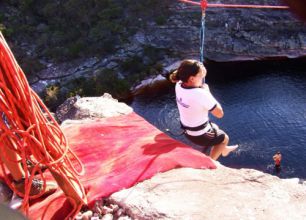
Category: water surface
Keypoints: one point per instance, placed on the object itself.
(264, 112)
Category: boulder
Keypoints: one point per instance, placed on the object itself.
(223, 193)
(91, 108)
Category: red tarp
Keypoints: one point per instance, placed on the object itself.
(117, 153)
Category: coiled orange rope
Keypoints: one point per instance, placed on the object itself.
(28, 128)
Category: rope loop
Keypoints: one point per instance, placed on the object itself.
(30, 133)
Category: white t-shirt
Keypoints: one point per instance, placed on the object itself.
(194, 105)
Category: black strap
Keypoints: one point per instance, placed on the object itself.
(198, 128)
(212, 127)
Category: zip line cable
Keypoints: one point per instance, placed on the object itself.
(213, 5)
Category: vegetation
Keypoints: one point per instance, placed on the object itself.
(105, 81)
(63, 30)
(147, 64)
(67, 29)
(52, 95)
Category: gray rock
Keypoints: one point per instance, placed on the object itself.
(6, 193)
(66, 110)
(91, 108)
(238, 32)
(112, 65)
(140, 37)
(119, 212)
(106, 210)
(108, 217)
(124, 218)
(224, 193)
(41, 27)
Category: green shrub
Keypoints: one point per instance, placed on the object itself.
(159, 67)
(51, 96)
(75, 49)
(77, 28)
(161, 20)
(2, 27)
(26, 4)
(30, 66)
(133, 65)
(105, 81)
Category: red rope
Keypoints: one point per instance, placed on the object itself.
(235, 5)
(203, 4)
(25, 130)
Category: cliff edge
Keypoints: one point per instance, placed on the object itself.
(185, 193)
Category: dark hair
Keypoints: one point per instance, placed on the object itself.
(171, 76)
(186, 69)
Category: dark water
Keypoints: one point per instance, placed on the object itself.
(265, 112)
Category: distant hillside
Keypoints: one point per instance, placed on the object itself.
(87, 48)
(63, 30)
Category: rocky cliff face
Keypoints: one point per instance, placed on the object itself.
(186, 193)
(231, 34)
(159, 38)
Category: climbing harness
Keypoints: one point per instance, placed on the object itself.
(28, 128)
(204, 4)
(174, 134)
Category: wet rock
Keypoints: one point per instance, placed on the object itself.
(152, 86)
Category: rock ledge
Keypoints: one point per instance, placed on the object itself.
(185, 193)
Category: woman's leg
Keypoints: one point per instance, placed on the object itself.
(217, 149)
(222, 148)
(10, 158)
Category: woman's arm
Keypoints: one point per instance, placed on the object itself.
(217, 111)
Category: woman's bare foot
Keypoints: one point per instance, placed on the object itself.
(229, 149)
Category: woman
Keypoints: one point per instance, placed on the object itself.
(194, 102)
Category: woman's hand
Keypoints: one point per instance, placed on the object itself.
(205, 86)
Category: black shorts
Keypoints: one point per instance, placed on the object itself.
(213, 137)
